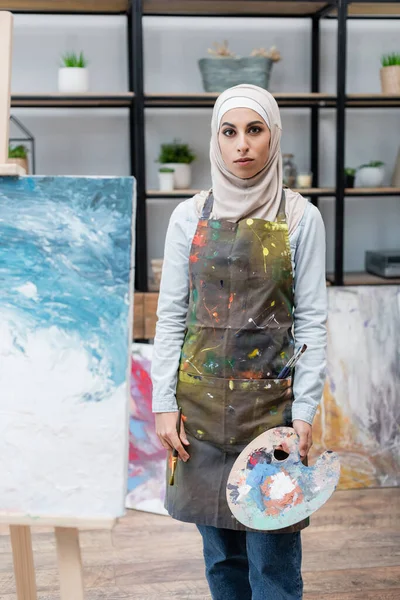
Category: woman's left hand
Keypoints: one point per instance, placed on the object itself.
(304, 431)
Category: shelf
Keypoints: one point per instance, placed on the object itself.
(203, 100)
(72, 100)
(374, 9)
(212, 8)
(363, 278)
(381, 191)
(66, 6)
(189, 193)
(207, 99)
(209, 8)
(372, 101)
(307, 192)
(294, 100)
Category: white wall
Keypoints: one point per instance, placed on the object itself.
(97, 142)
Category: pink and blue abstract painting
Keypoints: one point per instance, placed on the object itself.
(147, 457)
(66, 309)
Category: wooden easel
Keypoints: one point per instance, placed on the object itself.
(68, 551)
(66, 529)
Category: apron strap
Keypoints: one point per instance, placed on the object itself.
(281, 216)
(208, 206)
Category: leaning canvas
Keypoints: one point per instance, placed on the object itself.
(66, 306)
(359, 414)
(147, 457)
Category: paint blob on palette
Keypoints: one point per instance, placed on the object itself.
(266, 493)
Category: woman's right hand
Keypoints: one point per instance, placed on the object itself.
(166, 429)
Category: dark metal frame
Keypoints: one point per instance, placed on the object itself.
(137, 137)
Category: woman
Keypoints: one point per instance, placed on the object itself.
(243, 285)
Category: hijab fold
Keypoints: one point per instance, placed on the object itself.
(258, 197)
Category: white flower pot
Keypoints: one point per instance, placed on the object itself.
(166, 182)
(370, 177)
(182, 175)
(73, 80)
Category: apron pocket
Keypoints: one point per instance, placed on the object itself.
(230, 413)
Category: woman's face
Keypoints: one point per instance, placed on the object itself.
(244, 139)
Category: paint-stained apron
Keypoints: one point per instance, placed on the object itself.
(238, 337)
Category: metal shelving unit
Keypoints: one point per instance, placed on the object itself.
(138, 102)
(341, 10)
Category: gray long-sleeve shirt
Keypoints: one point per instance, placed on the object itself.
(307, 244)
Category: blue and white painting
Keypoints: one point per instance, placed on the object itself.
(66, 306)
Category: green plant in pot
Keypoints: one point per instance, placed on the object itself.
(19, 155)
(371, 174)
(179, 157)
(390, 73)
(349, 176)
(166, 179)
(73, 76)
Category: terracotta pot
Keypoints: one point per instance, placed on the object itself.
(390, 80)
(22, 162)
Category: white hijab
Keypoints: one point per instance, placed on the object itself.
(260, 196)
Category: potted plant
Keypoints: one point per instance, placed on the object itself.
(390, 73)
(371, 174)
(224, 69)
(349, 176)
(178, 157)
(19, 155)
(73, 77)
(166, 179)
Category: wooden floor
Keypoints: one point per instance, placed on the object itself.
(351, 552)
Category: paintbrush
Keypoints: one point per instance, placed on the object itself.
(291, 362)
(174, 460)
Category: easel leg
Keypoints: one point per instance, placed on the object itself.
(69, 563)
(21, 542)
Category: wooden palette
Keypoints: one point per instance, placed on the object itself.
(266, 493)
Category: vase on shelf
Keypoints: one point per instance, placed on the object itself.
(289, 170)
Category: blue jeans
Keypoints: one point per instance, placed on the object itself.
(248, 565)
